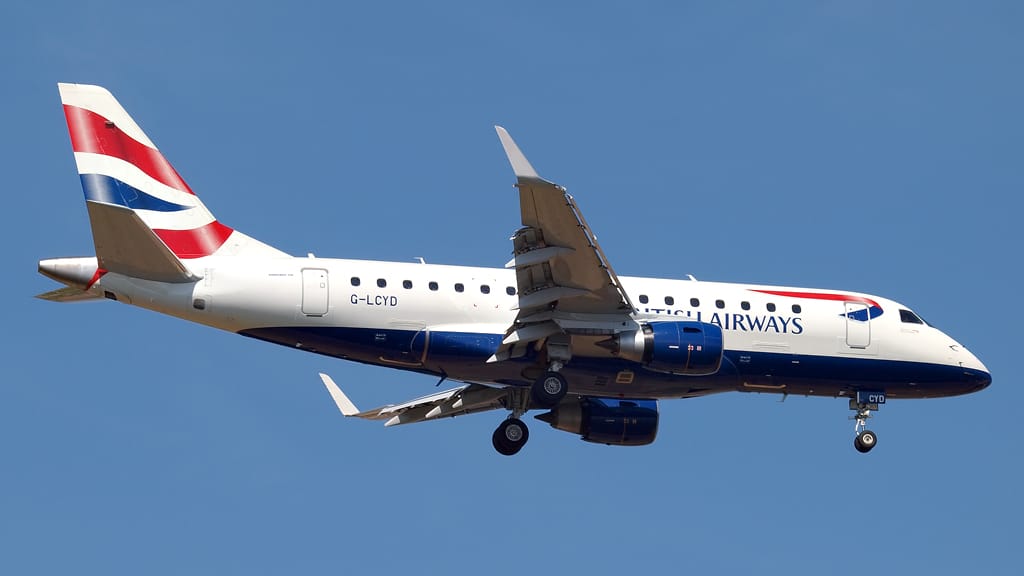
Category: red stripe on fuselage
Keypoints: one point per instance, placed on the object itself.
(92, 133)
(197, 242)
(817, 296)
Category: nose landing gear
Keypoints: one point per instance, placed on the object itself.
(863, 404)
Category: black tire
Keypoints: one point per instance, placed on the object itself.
(500, 445)
(865, 441)
(548, 390)
(510, 436)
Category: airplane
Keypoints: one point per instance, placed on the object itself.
(555, 330)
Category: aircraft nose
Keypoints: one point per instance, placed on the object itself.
(982, 378)
(975, 373)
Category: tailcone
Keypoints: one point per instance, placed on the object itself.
(77, 272)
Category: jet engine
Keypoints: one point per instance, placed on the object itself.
(615, 421)
(687, 348)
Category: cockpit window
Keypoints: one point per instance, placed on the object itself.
(908, 317)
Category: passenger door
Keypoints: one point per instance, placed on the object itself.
(858, 325)
(314, 291)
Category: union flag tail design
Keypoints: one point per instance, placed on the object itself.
(121, 167)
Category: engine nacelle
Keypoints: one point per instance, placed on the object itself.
(688, 348)
(606, 420)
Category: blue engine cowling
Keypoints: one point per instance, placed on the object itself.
(613, 421)
(688, 348)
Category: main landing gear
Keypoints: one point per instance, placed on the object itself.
(510, 436)
(546, 392)
(865, 439)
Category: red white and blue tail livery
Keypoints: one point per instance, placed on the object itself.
(120, 166)
(555, 330)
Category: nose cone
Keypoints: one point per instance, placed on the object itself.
(976, 374)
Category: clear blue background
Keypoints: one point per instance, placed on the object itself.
(857, 145)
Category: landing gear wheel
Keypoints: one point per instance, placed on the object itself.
(865, 441)
(510, 436)
(548, 390)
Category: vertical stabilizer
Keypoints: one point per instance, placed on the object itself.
(147, 222)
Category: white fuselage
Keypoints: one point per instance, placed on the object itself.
(777, 339)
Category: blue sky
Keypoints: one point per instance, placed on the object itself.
(867, 146)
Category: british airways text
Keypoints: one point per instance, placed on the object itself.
(739, 322)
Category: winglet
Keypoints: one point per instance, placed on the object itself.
(520, 165)
(344, 404)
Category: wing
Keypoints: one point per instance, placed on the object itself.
(455, 402)
(565, 282)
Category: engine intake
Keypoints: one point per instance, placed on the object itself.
(688, 348)
(612, 421)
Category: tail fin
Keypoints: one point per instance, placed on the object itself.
(145, 218)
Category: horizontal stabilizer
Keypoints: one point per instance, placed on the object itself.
(125, 245)
(68, 294)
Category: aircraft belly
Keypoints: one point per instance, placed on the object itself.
(462, 356)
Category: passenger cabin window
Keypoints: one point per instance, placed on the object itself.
(510, 290)
(355, 281)
(796, 308)
(485, 289)
(432, 286)
(719, 303)
(381, 283)
(643, 299)
(745, 305)
(407, 284)
(459, 287)
(694, 302)
(908, 317)
(771, 307)
(669, 300)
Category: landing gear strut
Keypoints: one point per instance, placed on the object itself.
(512, 434)
(546, 392)
(863, 404)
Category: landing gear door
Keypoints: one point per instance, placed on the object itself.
(314, 291)
(858, 325)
